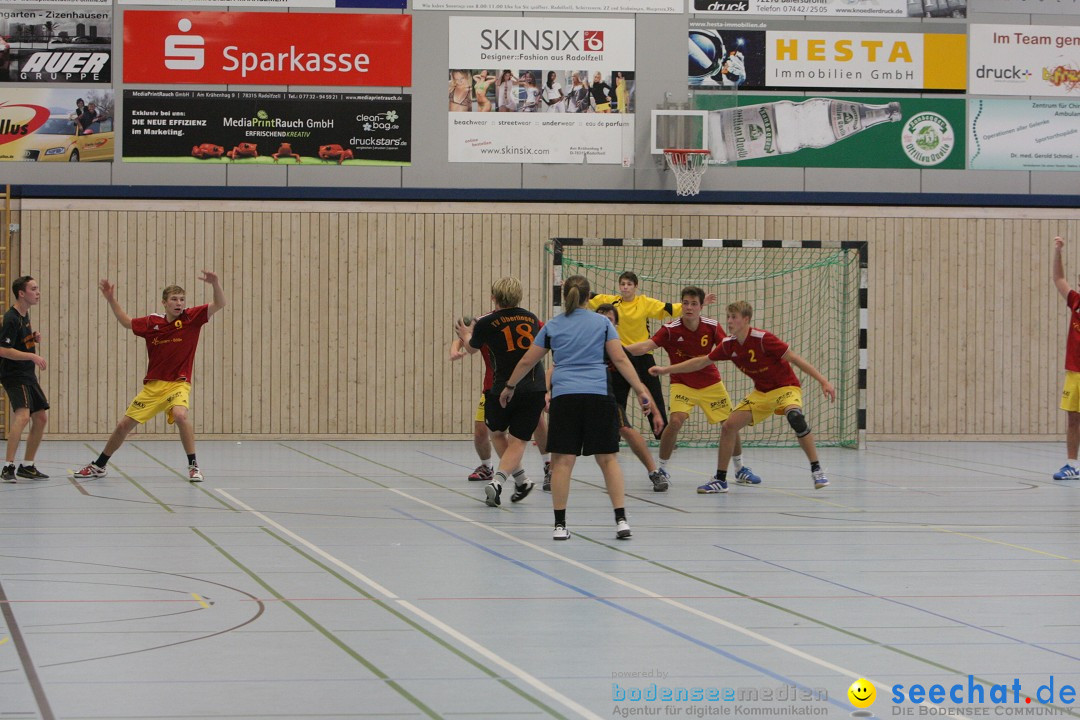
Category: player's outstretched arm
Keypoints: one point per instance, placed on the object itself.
(456, 351)
(1060, 282)
(799, 362)
(640, 348)
(108, 290)
(621, 361)
(218, 302)
(686, 366)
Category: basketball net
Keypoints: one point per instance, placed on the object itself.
(689, 166)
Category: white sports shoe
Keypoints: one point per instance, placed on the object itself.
(560, 533)
(622, 529)
(194, 474)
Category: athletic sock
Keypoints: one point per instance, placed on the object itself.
(102, 460)
(191, 459)
(560, 517)
(721, 475)
(546, 457)
(500, 478)
(620, 514)
(28, 463)
(487, 463)
(737, 459)
(663, 462)
(519, 477)
(815, 466)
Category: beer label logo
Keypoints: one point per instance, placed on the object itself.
(928, 139)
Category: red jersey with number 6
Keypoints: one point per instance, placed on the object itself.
(170, 346)
(760, 357)
(507, 334)
(682, 343)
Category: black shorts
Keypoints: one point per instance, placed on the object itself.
(583, 425)
(25, 393)
(520, 417)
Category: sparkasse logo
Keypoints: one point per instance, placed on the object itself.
(248, 48)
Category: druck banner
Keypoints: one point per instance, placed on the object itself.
(767, 59)
(251, 128)
(56, 45)
(848, 132)
(61, 125)
(834, 8)
(262, 48)
(1024, 135)
(541, 90)
(1025, 60)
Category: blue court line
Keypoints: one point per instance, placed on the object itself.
(897, 602)
(615, 606)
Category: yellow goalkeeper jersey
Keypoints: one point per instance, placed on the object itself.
(633, 316)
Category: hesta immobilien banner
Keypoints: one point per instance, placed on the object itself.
(267, 48)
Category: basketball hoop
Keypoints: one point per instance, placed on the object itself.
(689, 166)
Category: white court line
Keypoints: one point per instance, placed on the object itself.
(574, 563)
(520, 673)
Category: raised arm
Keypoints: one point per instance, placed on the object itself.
(457, 351)
(218, 302)
(108, 290)
(622, 363)
(1060, 282)
(686, 366)
(799, 362)
(464, 333)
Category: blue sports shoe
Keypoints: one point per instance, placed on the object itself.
(746, 476)
(1067, 472)
(716, 485)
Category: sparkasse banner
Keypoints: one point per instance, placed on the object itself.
(541, 90)
(263, 48)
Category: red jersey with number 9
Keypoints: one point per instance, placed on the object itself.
(170, 346)
(682, 343)
(760, 357)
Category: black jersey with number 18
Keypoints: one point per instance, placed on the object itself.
(508, 333)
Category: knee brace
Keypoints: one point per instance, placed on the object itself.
(797, 421)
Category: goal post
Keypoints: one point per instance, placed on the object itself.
(811, 294)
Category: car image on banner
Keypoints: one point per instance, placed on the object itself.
(44, 125)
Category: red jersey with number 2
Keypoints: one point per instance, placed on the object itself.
(682, 343)
(170, 346)
(760, 357)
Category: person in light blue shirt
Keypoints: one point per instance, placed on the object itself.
(583, 417)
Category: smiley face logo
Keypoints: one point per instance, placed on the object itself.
(862, 693)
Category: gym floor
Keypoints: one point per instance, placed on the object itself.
(369, 580)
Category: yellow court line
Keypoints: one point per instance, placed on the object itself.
(999, 542)
(4, 641)
(201, 602)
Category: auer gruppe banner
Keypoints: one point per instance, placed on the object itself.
(834, 8)
(251, 128)
(723, 57)
(263, 48)
(1025, 60)
(1024, 135)
(541, 90)
(581, 6)
(56, 125)
(56, 45)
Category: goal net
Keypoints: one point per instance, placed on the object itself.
(806, 294)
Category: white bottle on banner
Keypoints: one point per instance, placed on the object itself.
(781, 127)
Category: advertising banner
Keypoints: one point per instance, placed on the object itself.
(1025, 60)
(834, 8)
(251, 128)
(851, 132)
(62, 125)
(770, 59)
(1048, 7)
(1024, 135)
(61, 45)
(262, 48)
(541, 90)
(307, 4)
(580, 6)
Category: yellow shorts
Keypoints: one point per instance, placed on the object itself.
(763, 404)
(1070, 396)
(480, 417)
(714, 400)
(159, 396)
